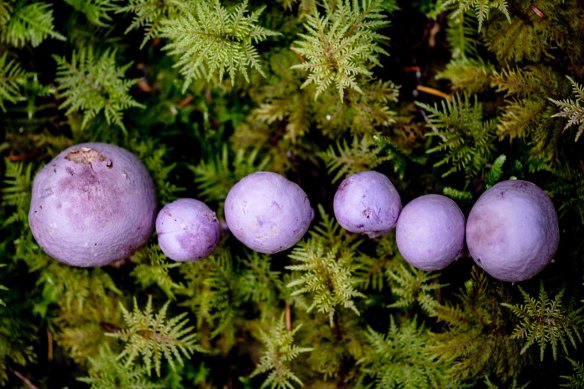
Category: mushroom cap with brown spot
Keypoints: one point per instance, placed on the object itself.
(93, 204)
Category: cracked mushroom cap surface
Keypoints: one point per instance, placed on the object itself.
(512, 230)
(92, 205)
(367, 203)
(267, 212)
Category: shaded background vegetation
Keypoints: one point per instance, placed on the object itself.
(443, 96)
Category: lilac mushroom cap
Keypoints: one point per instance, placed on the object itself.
(367, 203)
(512, 231)
(187, 230)
(430, 232)
(93, 204)
(267, 212)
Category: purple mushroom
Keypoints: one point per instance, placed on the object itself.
(187, 230)
(512, 230)
(93, 204)
(430, 232)
(267, 212)
(367, 203)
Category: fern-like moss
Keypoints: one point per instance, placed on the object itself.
(277, 358)
(465, 140)
(544, 321)
(210, 40)
(413, 286)
(12, 79)
(476, 337)
(482, 8)
(215, 177)
(154, 337)
(29, 22)
(97, 11)
(106, 372)
(93, 83)
(342, 45)
(572, 109)
(402, 359)
(149, 14)
(325, 276)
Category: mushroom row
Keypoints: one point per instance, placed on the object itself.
(95, 203)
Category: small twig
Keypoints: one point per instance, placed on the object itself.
(186, 101)
(49, 345)
(433, 91)
(536, 11)
(288, 318)
(298, 54)
(25, 380)
(21, 157)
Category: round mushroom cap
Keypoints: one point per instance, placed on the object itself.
(267, 212)
(430, 232)
(367, 203)
(93, 204)
(512, 231)
(187, 230)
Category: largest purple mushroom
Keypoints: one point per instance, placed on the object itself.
(93, 204)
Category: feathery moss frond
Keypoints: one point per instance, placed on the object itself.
(210, 40)
(465, 139)
(495, 172)
(2, 288)
(153, 269)
(543, 320)
(75, 290)
(217, 176)
(463, 36)
(155, 157)
(29, 23)
(96, 11)
(363, 154)
(342, 46)
(401, 359)
(93, 84)
(17, 337)
(150, 14)
(370, 271)
(414, 286)
(277, 358)
(482, 8)
(469, 75)
(154, 337)
(513, 384)
(12, 79)
(576, 380)
(361, 112)
(457, 194)
(523, 39)
(572, 109)
(211, 292)
(258, 282)
(16, 190)
(476, 335)
(527, 80)
(106, 372)
(5, 10)
(325, 275)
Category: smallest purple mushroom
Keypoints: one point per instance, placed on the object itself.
(367, 203)
(187, 230)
